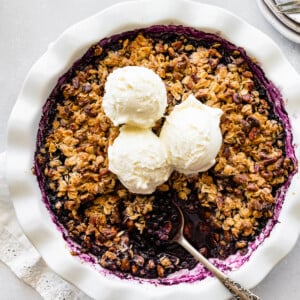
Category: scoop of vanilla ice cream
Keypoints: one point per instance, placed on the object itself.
(192, 136)
(139, 159)
(135, 96)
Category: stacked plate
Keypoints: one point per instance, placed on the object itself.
(286, 24)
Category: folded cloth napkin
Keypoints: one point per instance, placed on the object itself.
(18, 253)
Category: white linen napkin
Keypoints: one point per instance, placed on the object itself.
(22, 258)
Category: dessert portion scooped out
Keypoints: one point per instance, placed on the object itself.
(197, 124)
(189, 140)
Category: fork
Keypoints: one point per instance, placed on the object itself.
(281, 16)
(290, 7)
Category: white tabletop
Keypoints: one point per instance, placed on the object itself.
(26, 29)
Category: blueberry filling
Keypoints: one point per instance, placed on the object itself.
(225, 208)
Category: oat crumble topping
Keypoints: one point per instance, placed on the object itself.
(231, 202)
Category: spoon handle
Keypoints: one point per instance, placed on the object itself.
(238, 291)
(235, 288)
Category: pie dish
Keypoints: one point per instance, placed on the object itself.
(58, 56)
(226, 206)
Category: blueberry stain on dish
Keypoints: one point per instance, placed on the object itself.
(225, 208)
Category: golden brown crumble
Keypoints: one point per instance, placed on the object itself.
(236, 194)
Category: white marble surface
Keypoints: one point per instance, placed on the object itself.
(26, 29)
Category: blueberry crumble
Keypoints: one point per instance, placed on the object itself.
(225, 207)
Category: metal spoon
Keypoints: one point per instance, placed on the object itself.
(235, 288)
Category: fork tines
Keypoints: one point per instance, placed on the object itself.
(290, 7)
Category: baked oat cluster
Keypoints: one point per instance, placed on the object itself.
(225, 207)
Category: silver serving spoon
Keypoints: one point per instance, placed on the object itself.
(235, 288)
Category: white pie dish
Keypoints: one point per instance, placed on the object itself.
(23, 124)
